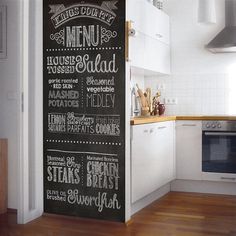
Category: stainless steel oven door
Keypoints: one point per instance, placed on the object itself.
(219, 152)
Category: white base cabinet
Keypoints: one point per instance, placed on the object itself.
(152, 157)
(166, 151)
(189, 150)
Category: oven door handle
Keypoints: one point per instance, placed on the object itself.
(219, 134)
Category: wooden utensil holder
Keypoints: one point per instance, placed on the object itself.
(3, 176)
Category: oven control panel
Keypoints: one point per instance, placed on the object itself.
(215, 125)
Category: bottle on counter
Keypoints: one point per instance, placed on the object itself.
(161, 109)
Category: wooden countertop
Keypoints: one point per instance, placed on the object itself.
(151, 119)
(154, 119)
(205, 117)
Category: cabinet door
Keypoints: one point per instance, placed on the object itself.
(149, 20)
(157, 24)
(149, 48)
(153, 160)
(162, 29)
(144, 163)
(137, 51)
(135, 13)
(157, 56)
(189, 150)
(165, 143)
(149, 54)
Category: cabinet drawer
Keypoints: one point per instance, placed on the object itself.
(219, 177)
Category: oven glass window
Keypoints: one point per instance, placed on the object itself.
(219, 152)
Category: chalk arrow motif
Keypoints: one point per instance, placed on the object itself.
(56, 8)
(109, 5)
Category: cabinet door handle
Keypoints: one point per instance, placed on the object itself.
(189, 125)
(220, 134)
(151, 131)
(132, 32)
(159, 36)
(162, 127)
(228, 178)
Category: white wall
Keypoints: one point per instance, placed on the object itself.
(9, 96)
(202, 82)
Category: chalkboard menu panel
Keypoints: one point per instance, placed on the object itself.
(84, 108)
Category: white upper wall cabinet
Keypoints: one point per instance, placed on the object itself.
(149, 20)
(150, 46)
(157, 56)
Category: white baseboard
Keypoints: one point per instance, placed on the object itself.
(140, 204)
(204, 187)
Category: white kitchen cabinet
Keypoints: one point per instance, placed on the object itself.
(157, 56)
(149, 20)
(137, 53)
(152, 157)
(149, 47)
(149, 54)
(189, 150)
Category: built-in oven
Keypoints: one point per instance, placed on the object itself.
(219, 146)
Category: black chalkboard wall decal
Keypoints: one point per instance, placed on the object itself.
(84, 108)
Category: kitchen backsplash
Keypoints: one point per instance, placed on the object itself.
(199, 94)
(202, 82)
